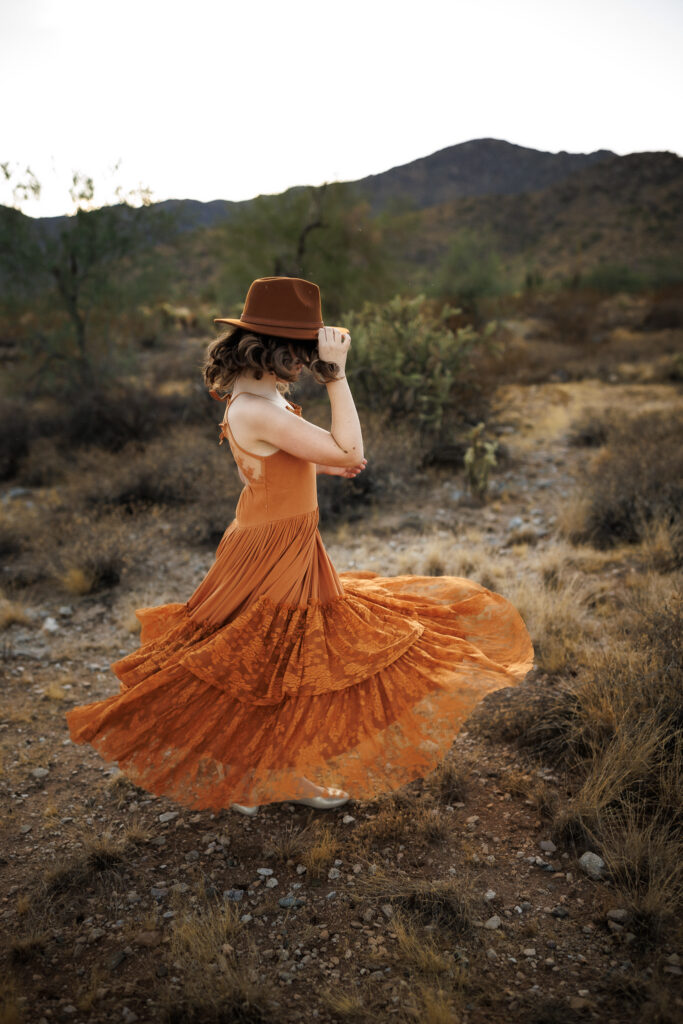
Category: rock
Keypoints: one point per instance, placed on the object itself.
(168, 816)
(158, 892)
(192, 855)
(491, 954)
(25, 829)
(180, 887)
(128, 1016)
(617, 914)
(271, 883)
(515, 522)
(548, 846)
(291, 901)
(95, 934)
(301, 869)
(234, 895)
(334, 873)
(387, 910)
(65, 610)
(357, 868)
(559, 912)
(529, 952)
(489, 895)
(493, 922)
(347, 819)
(40, 773)
(592, 865)
(266, 872)
(246, 918)
(116, 959)
(50, 625)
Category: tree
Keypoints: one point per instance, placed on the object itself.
(72, 268)
(324, 234)
(471, 270)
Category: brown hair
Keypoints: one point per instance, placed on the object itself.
(238, 349)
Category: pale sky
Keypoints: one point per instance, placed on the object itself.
(225, 100)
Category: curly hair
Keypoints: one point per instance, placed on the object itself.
(238, 349)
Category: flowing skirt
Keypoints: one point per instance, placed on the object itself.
(278, 667)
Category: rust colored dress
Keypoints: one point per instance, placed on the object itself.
(277, 666)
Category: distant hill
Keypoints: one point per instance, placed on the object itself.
(476, 168)
(627, 209)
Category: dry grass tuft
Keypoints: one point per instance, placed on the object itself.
(445, 903)
(10, 1010)
(12, 613)
(431, 1006)
(417, 950)
(447, 783)
(320, 851)
(219, 982)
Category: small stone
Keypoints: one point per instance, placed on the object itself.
(271, 883)
(548, 846)
(559, 912)
(491, 954)
(387, 910)
(618, 914)
(65, 610)
(158, 892)
(529, 952)
(347, 819)
(128, 1016)
(674, 960)
(40, 773)
(246, 918)
(95, 934)
(180, 888)
(234, 895)
(50, 625)
(150, 939)
(192, 855)
(291, 901)
(489, 895)
(25, 829)
(116, 959)
(357, 868)
(493, 922)
(333, 873)
(168, 816)
(266, 872)
(301, 869)
(592, 865)
(331, 895)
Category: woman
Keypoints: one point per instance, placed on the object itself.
(278, 673)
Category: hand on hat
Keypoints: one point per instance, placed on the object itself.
(333, 345)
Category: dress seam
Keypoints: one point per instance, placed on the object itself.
(281, 519)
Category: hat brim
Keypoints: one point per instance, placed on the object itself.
(293, 333)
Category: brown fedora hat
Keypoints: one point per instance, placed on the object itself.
(282, 307)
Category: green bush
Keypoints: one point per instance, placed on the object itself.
(407, 361)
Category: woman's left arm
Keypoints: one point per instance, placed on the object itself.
(347, 471)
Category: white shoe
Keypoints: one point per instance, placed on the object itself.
(323, 803)
(243, 809)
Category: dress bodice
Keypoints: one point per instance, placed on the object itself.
(277, 485)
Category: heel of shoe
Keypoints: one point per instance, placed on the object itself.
(244, 809)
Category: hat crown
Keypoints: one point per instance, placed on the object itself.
(283, 302)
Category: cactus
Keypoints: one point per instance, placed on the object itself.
(480, 458)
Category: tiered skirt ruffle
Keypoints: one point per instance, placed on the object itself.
(365, 690)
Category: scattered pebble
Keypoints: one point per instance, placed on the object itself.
(168, 816)
(592, 865)
(493, 922)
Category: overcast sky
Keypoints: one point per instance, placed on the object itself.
(225, 100)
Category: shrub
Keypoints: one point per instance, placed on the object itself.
(407, 361)
(635, 480)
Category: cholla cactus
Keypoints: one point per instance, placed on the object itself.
(480, 457)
